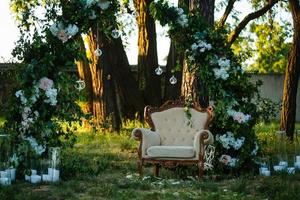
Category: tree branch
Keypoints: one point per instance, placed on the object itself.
(227, 11)
(235, 33)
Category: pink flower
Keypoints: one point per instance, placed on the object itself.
(63, 36)
(225, 159)
(45, 83)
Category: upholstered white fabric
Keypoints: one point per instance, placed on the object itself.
(209, 140)
(173, 126)
(171, 151)
(149, 138)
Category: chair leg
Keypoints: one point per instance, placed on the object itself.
(140, 167)
(156, 170)
(200, 169)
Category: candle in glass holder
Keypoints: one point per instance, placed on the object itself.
(35, 179)
(284, 164)
(5, 181)
(291, 170)
(278, 168)
(298, 159)
(3, 174)
(33, 172)
(266, 173)
(46, 177)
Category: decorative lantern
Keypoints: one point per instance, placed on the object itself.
(51, 166)
(5, 174)
(297, 150)
(281, 154)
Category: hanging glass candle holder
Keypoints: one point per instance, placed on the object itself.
(5, 178)
(173, 80)
(280, 149)
(158, 71)
(115, 33)
(98, 52)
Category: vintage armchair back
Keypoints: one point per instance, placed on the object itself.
(178, 136)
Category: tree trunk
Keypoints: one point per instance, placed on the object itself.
(292, 73)
(85, 74)
(104, 98)
(191, 87)
(172, 92)
(149, 82)
(129, 99)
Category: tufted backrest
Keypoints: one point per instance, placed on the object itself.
(174, 128)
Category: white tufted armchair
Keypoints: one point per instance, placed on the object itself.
(174, 138)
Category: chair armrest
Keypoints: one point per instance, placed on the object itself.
(207, 138)
(147, 139)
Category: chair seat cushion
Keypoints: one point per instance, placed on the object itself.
(171, 151)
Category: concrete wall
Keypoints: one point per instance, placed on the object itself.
(273, 87)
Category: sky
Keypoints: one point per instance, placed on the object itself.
(9, 34)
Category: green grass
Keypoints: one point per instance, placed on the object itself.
(103, 166)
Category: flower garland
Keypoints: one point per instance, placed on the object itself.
(235, 98)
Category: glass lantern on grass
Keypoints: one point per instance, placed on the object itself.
(33, 167)
(5, 173)
(297, 150)
(50, 166)
(281, 153)
(264, 166)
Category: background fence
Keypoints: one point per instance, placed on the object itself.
(272, 86)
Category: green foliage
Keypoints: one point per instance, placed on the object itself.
(47, 49)
(271, 55)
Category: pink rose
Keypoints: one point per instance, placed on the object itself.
(45, 83)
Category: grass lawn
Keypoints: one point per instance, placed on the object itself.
(102, 166)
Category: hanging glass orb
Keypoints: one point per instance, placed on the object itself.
(115, 33)
(158, 71)
(134, 14)
(98, 52)
(80, 85)
(173, 80)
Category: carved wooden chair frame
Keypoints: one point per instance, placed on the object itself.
(172, 162)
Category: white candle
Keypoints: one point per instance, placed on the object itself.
(55, 175)
(297, 158)
(283, 163)
(35, 178)
(297, 165)
(278, 168)
(46, 177)
(12, 173)
(266, 173)
(291, 170)
(27, 178)
(33, 172)
(5, 181)
(3, 174)
(262, 169)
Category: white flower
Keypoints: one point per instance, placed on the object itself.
(39, 149)
(51, 94)
(90, 3)
(103, 4)
(221, 73)
(36, 113)
(233, 162)
(20, 94)
(227, 140)
(72, 29)
(179, 11)
(45, 83)
(182, 20)
(194, 47)
(93, 15)
(239, 116)
(224, 63)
